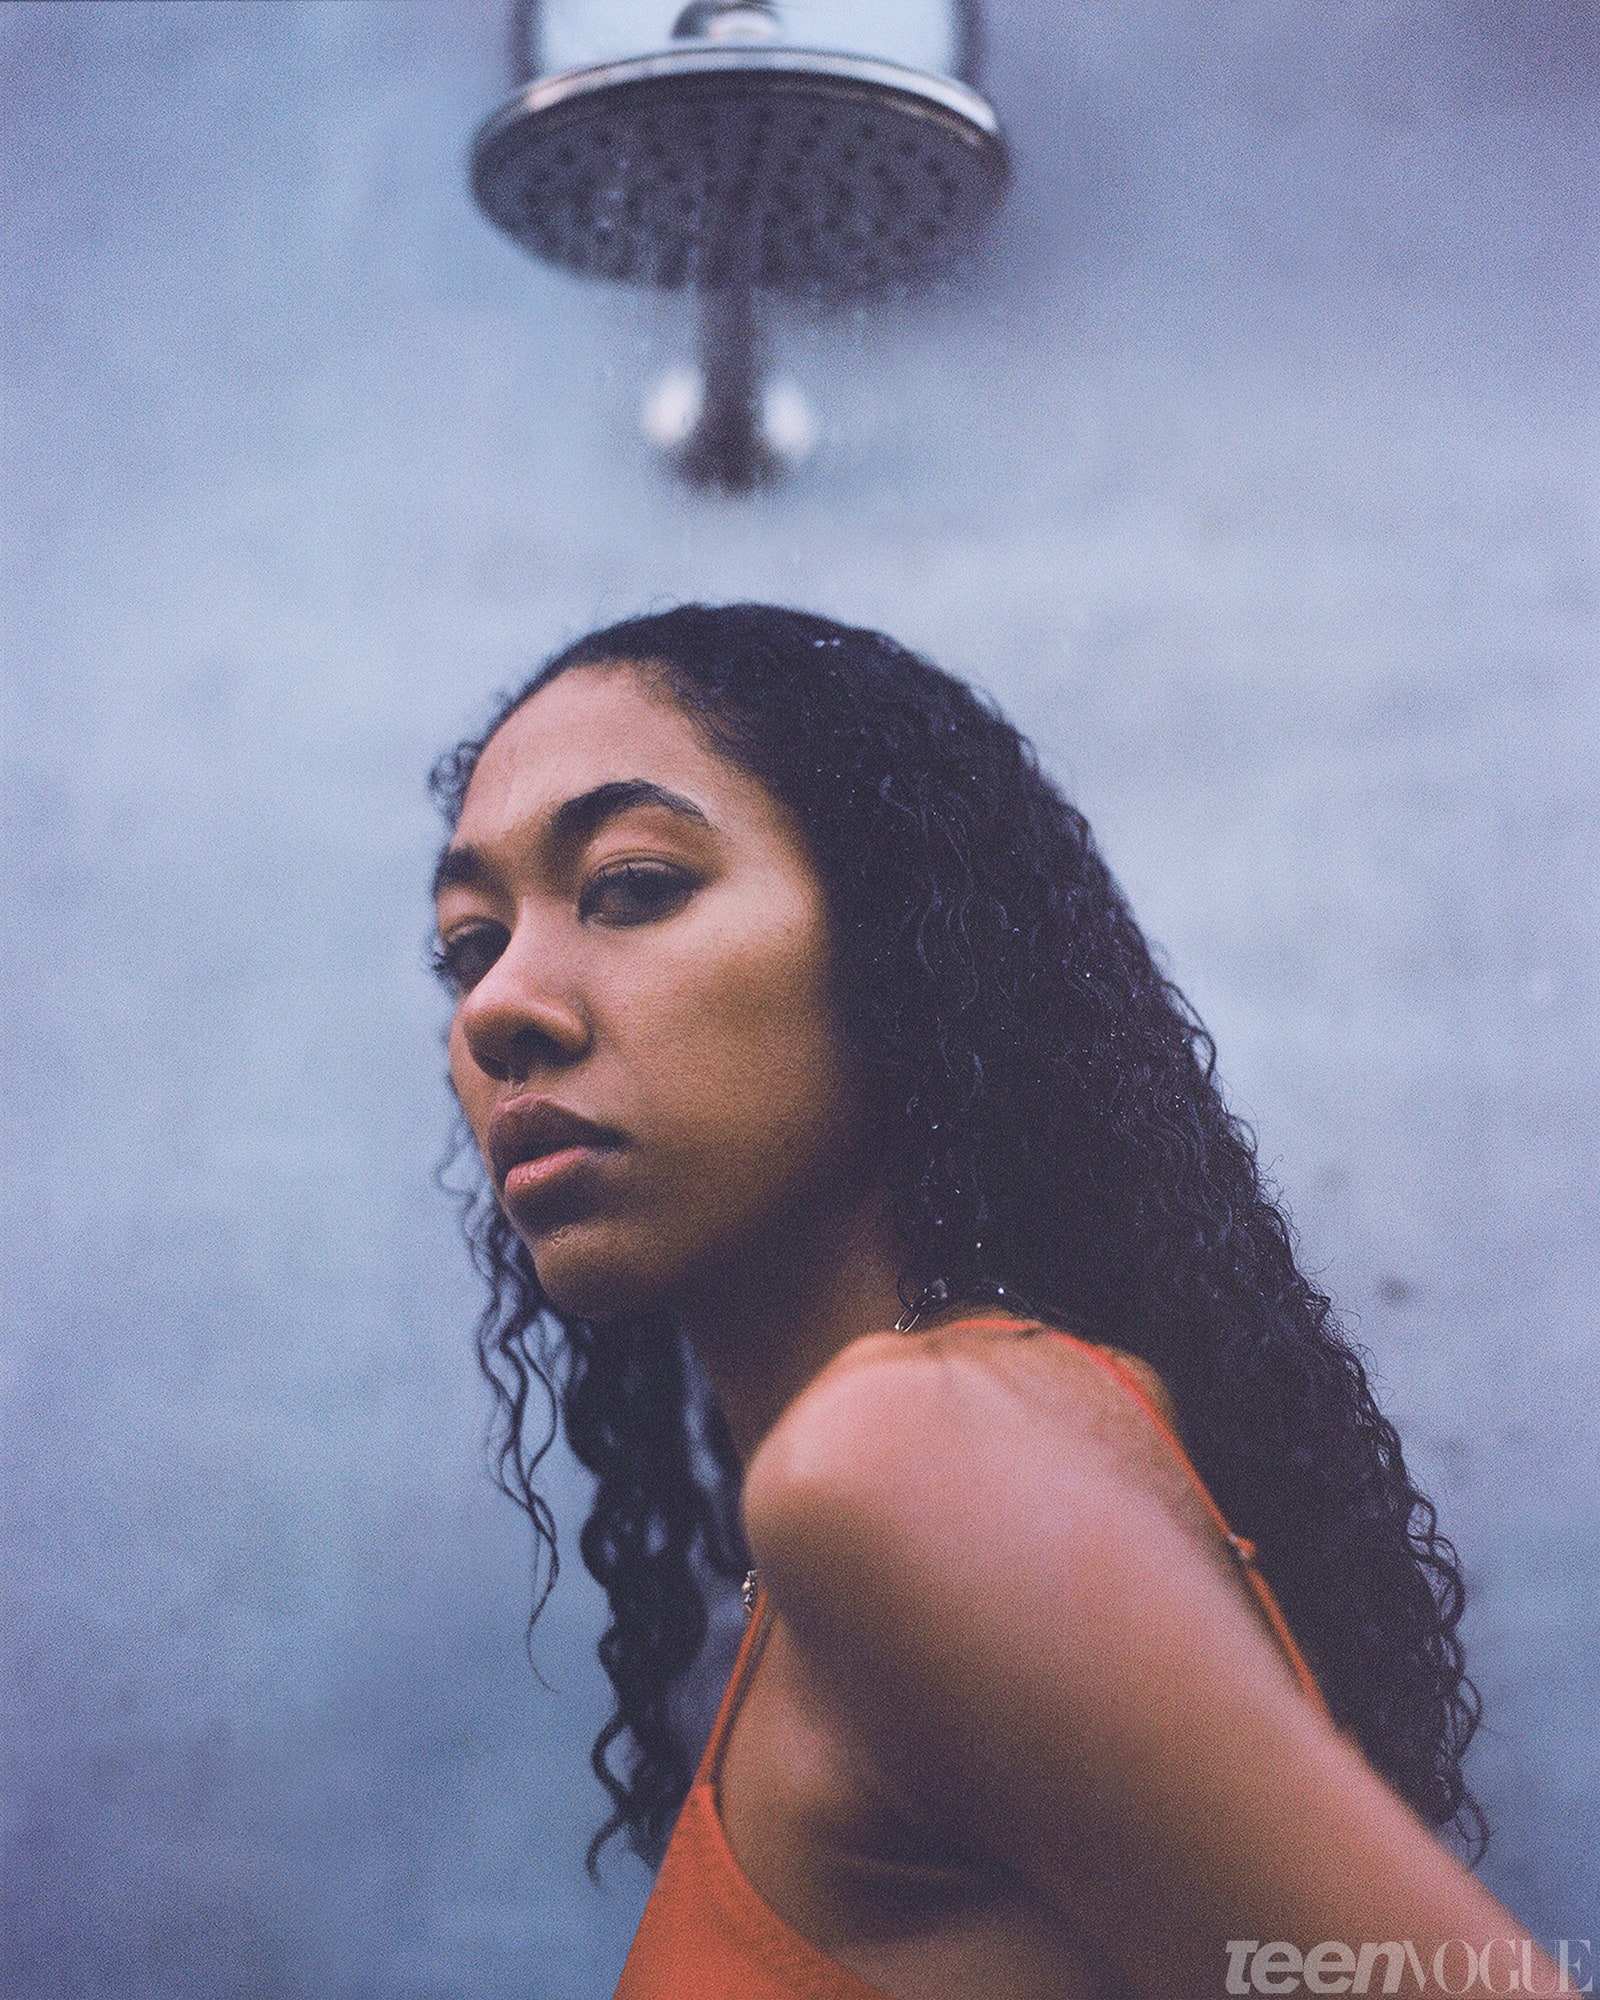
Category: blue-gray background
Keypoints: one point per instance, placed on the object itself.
(1253, 469)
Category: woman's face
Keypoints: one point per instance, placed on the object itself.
(643, 1042)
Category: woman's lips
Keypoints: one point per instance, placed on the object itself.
(536, 1147)
(530, 1180)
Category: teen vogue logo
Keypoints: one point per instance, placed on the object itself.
(1503, 1965)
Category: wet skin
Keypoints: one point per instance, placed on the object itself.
(1018, 1729)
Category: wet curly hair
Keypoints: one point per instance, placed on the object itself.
(1050, 1119)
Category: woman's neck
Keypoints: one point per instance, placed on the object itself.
(764, 1328)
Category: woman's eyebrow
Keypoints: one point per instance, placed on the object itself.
(459, 868)
(574, 820)
(577, 818)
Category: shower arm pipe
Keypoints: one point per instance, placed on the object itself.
(525, 42)
(727, 450)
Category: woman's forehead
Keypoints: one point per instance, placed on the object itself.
(605, 727)
(581, 730)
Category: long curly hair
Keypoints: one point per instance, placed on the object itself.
(1049, 1118)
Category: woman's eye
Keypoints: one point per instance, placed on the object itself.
(462, 960)
(635, 892)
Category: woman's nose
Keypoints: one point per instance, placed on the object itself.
(517, 1021)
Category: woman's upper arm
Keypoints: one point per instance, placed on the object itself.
(1061, 1673)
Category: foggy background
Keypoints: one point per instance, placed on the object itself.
(1252, 468)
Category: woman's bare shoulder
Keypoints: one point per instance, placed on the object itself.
(988, 1555)
(958, 1445)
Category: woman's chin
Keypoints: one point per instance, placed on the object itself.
(586, 1279)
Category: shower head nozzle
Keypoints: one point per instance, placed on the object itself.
(807, 173)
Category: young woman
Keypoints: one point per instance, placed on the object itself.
(1101, 1644)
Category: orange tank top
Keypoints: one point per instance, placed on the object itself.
(706, 1934)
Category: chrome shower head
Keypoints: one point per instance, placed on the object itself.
(807, 173)
(744, 147)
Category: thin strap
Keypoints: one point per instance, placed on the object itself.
(744, 1665)
(1244, 1551)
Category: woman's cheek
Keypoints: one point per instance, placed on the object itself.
(761, 1076)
